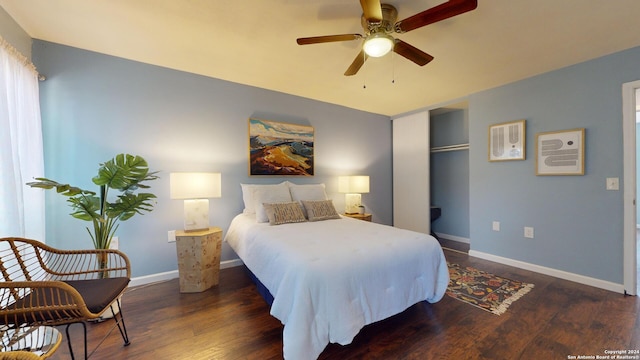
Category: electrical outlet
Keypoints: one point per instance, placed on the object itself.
(528, 232)
(171, 236)
(115, 243)
(496, 226)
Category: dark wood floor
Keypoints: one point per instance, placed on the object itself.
(556, 319)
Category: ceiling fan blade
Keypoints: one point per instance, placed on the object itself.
(412, 53)
(327, 38)
(437, 13)
(372, 10)
(356, 64)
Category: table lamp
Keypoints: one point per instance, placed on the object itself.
(195, 188)
(353, 186)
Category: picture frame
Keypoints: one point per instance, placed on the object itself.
(507, 141)
(560, 152)
(281, 149)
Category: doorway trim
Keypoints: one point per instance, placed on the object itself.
(630, 271)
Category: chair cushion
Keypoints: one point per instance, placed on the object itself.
(99, 293)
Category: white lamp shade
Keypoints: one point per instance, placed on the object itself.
(195, 185)
(353, 184)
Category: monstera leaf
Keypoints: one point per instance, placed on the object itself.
(63, 189)
(124, 172)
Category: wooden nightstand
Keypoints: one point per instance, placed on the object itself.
(198, 258)
(365, 217)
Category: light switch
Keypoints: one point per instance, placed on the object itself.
(528, 232)
(613, 183)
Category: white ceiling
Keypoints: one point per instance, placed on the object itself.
(253, 42)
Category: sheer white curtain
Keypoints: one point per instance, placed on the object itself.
(21, 152)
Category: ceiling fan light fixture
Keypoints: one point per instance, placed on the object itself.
(378, 44)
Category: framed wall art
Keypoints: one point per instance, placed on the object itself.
(507, 141)
(560, 152)
(277, 148)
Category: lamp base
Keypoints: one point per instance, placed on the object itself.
(351, 203)
(196, 214)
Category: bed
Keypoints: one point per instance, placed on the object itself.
(329, 275)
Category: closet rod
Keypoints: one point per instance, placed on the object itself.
(437, 149)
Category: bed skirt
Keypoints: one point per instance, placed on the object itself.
(262, 290)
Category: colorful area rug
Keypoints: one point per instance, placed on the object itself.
(484, 290)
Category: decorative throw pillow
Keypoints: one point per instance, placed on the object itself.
(284, 213)
(320, 210)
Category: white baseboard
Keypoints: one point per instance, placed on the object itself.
(153, 278)
(581, 279)
(148, 279)
(454, 238)
(231, 263)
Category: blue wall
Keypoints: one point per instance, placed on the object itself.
(450, 174)
(578, 224)
(95, 106)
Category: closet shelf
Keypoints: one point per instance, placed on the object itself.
(457, 147)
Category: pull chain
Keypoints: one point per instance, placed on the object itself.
(364, 78)
(393, 68)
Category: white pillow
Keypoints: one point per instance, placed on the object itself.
(313, 192)
(247, 194)
(310, 192)
(273, 194)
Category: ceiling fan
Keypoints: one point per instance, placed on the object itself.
(379, 21)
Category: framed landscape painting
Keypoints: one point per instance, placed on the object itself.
(277, 148)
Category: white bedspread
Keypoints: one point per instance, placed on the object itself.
(331, 278)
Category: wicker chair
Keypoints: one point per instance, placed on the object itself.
(29, 343)
(43, 286)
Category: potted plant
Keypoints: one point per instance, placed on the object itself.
(124, 173)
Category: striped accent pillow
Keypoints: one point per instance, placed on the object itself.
(284, 213)
(320, 210)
